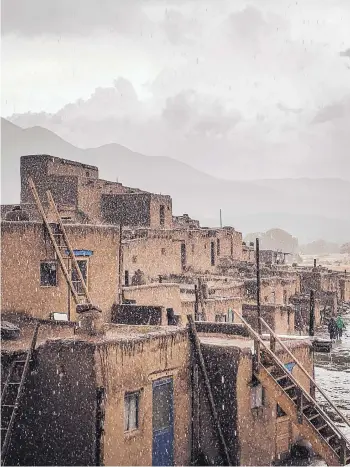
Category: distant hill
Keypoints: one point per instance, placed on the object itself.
(319, 247)
(275, 239)
(308, 208)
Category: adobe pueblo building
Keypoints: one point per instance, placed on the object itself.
(131, 336)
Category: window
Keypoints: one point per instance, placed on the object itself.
(82, 263)
(162, 214)
(163, 251)
(212, 253)
(285, 298)
(256, 396)
(280, 412)
(48, 273)
(218, 247)
(131, 411)
(230, 316)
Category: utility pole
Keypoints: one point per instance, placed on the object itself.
(312, 314)
(257, 255)
(220, 219)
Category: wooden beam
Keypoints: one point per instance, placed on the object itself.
(198, 351)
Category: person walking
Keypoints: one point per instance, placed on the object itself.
(340, 327)
(332, 329)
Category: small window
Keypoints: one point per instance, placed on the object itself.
(162, 214)
(192, 248)
(163, 251)
(280, 412)
(131, 411)
(218, 247)
(83, 266)
(87, 173)
(48, 273)
(257, 396)
(134, 259)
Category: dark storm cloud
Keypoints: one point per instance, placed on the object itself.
(345, 53)
(36, 17)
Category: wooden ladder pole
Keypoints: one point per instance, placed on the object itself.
(197, 346)
(308, 396)
(71, 252)
(53, 240)
(312, 381)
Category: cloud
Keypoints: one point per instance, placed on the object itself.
(345, 53)
(39, 17)
(335, 111)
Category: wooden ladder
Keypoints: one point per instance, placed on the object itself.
(12, 394)
(62, 246)
(297, 402)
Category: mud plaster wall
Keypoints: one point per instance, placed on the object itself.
(164, 294)
(56, 423)
(221, 364)
(280, 319)
(156, 202)
(259, 427)
(154, 256)
(132, 366)
(24, 245)
(126, 209)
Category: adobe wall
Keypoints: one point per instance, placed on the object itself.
(129, 209)
(281, 319)
(165, 294)
(260, 427)
(133, 366)
(155, 203)
(154, 256)
(56, 420)
(344, 289)
(24, 245)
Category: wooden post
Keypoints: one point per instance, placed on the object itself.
(299, 405)
(257, 253)
(120, 280)
(201, 298)
(196, 317)
(195, 413)
(198, 351)
(312, 314)
(272, 343)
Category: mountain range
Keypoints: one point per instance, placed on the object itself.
(307, 208)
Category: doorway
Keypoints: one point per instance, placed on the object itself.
(163, 422)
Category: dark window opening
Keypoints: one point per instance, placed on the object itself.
(231, 247)
(218, 247)
(280, 412)
(131, 411)
(162, 214)
(183, 255)
(82, 263)
(126, 278)
(163, 251)
(48, 273)
(212, 253)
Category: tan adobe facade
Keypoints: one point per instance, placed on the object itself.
(32, 281)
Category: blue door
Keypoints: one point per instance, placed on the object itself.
(163, 422)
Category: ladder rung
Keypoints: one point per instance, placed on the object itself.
(289, 387)
(14, 384)
(281, 377)
(6, 405)
(330, 437)
(22, 361)
(322, 427)
(313, 417)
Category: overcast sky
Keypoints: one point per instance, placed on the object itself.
(239, 89)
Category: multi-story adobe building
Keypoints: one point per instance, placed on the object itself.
(137, 395)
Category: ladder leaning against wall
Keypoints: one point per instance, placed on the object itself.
(297, 401)
(62, 246)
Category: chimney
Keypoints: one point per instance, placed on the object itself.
(315, 263)
(91, 320)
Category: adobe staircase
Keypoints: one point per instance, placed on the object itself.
(303, 410)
